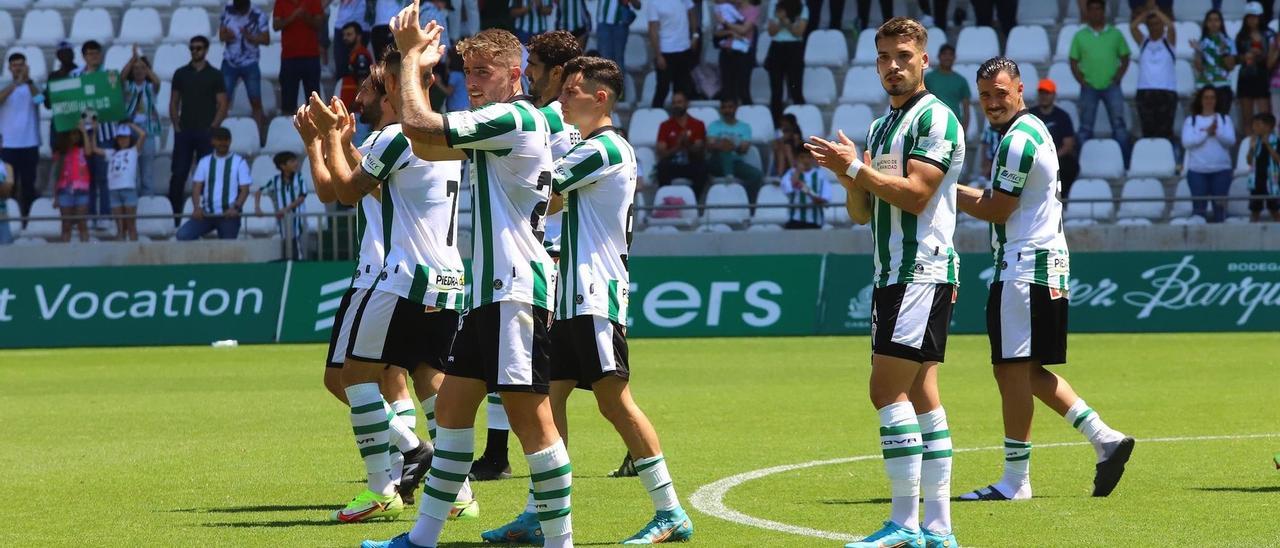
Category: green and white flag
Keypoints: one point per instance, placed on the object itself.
(97, 91)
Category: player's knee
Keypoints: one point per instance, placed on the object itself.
(333, 383)
(614, 410)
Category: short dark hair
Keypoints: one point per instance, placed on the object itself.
(379, 73)
(200, 38)
(1090, 3)
(359, 29)
(16, 56)
(1266, 118)
(91, 45)
(945, 48)
(220, 133)
(996, 65)
(555, 48)
(902, 26)
(282, 158)
(597, 70)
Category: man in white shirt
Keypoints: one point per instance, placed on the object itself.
(673, 31)
(219, 188)
(18, 131)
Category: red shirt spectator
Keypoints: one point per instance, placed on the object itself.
(670, 131)
(358, 64)
(298, 37)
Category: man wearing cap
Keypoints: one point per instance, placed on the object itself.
(219, 188)
(1058, 122)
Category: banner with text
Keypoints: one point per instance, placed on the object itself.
(670, 297)
(96, 91)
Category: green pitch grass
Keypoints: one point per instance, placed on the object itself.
(243, 447)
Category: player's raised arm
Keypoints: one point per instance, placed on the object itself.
(420, 51)
(350, 182)
(314, 145)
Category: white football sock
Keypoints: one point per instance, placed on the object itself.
(901, 447)
(371, 428)
(935, 470)
(1083, 418)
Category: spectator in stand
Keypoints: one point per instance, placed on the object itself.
(464, 20)
(934, 14)
(787, 29)
(1058, 122)
(1207, 136)
(300, 23)
(990, 140)
(673, 32)
(495, 14)
(735, 33)
(1099, 57)
(864, 13)
(66, 57)
(1253, 43)
(1264, 167)
(71, 180)
(197, 104)
(243, 28)
(1005, 11)
(729, 140)
(438, 11)
(6, 190)
(348, 12)
(219, 189)
(572, 15)
(355, 68)
(380, 35)
(949, 86)
(1157, 97)
(19, 134)
(612, 28)
(531, 18)
(1273, 65)
(122, 178)
(682, 142)
(141, 84)
(103, 133)
(288, 191)
(786, 139)
(1214, 58)
(808, 190)
(1137, 8)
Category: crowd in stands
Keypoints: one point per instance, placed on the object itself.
(211, 112)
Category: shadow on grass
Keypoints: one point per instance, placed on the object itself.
(1251, 489)
(256, 508)
(279, 523)
(842, 502)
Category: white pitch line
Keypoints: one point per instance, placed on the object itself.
(709, 499)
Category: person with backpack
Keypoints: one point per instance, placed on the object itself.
(1157, 97)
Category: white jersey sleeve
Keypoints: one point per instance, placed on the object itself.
(389, 152)
(492, 127)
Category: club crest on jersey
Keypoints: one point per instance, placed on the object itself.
(1010, 178)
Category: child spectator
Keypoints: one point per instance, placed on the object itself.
(71, 183)
(1264, 167)
(288, 190)
(808, 190)
(784, 144)
(122, 178)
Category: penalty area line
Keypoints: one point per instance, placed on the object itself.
(709, 499)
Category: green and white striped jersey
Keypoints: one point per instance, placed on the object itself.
(1030, 246)
(283, 191)
(913, 248)
(510, 151)
(533, 22)
(224, 178)
(564, 136)
(572, 15)
(598, 181)
(611, 12)
(817, 183)
(419, 222)
(372, 250)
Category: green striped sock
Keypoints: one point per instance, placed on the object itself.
(552, 477)
(1017, 462)
(449, 468)
(370, 426)
(935, 470)
(902, 448)
(429, 409)
(657, 481)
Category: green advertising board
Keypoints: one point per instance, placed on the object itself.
(99, 91)
(670, 297)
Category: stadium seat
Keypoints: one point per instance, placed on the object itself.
(50, 229)
(672, 195)
(770, 195)
(764, 228)
(646, 160)
(865, 51)
(269, 62)
(140, 26)
(185, 23)
(14, 4)
(42, 28)
(1242, 158)
(312, 205)
(282, 137)
(862, 85)
(168, 59)
(641, 212)
(753, 158)
(1038, 12)
(35, 62)
(970, 74)
(92, 24)
(1187, 31)
(855, 120)
(937, 37)
(1090, 189)
(643, 129)
(661, 229)
(117, 56)
(1152, 158)
(1129, 84)
(1062, 48)
(262, 169)
(1191, 10)
(760, 85)
(977, 44)
(714, 228)
(156, 229)
(240, 102)
(59, 4)
(1104, 160)
(819, 86)
(1181, 207)
(647, 87)
(1185, 78)
(8, 34)
(1239, 189)
(705, 114)
(151, 3)
(244, 135)
(257, 225)
(761, 121)
(826, 48)
(46, 151)
(204, 3)
(162, 99)
(810, 119)
(1030, 81)
(1068, 87)
(762, 47)
(836, 214)
(1143, 189)
(216, 51)
(15, 216)
(637, 54)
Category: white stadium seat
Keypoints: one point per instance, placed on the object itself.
(647, 88)
(1068, 87)
(764, 228)
(669, 195)
(1129, 84)
(762, 47)
(1185, 78)
(155, 228)
(262, 169)
(752, 157)
(140, 26)
(1030, 81)
(819, 86)
(151, 3)
(836, 214)
(312, 204)
(1152, 158)
(1180, 208)
(1191, 10)
(92, 24)
(727, 194)
(162, 99)
(14, 4)
(826, 48)
(1037, 12)
(1145, 189)
(168, 59)
(865, 51)
(643, 130)
(661, 229)
(641, 212)
(8, 34)
(186, 23)
(214, 56)
(977, 44)
(715, 228)
(117, 56)
(705, 114)
(1062, 49)
(760, 120)
(862, 85)
(15, 216)
(35, 62)
(760, 85)
(937, 37)
(855, 120)
(637, 54)
(1187, 31)
(269, 62)
(1242, 158)
(810, 119)
(1239, 189)
(646, 159)
(262, 225)
(43, 207)
(59, 4)
(770, 195)
(240, 101)
(1090, 189)
(1103, 159)
(244, 135)
(42, 28)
